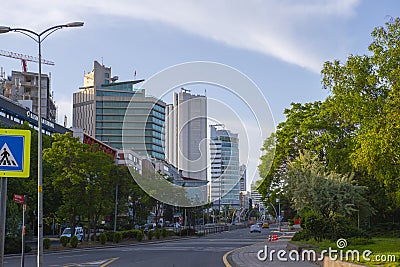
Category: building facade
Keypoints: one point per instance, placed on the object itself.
(225, 173)
(23, 87)
(13, 113)
(185, 134)
(118, 114)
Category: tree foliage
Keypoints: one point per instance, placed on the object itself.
(366, 93)
(354, 130)
(329, 193)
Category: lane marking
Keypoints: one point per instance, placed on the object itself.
(110, 261)
(99, 263)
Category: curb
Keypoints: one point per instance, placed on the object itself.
(227, 254)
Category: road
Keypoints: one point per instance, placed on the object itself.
(203, 251)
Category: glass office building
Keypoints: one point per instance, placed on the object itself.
(225, 172)
(119, 115)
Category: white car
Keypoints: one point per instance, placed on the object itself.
(78, 233)
(255, 228)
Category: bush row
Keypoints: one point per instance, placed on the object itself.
(319, 227)
(116, 237)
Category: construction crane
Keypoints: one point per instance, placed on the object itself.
(24, 59)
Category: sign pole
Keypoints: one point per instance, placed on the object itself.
(23, 233)
(3, 210)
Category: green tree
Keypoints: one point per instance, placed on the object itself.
(365, 91)
(310, 126)
(327, 192)
(67, 160)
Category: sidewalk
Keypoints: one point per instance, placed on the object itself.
(247, 256)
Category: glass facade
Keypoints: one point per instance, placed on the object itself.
(225, 172)
(127, 118)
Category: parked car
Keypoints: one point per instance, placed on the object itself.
(265, 225)
(78, 233)
(255, 228)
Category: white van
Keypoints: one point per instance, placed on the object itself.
(78, 233)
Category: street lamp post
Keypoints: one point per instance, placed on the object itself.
(39, 38)
(279, 216)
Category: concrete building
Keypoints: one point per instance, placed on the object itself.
(23, 87)
(118, 114)
(185, 134)
(225, 173)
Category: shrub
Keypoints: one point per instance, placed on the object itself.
(187, 231)
(64, 241)
(164, 233)
(302, 235)
(150, 234)
(74, 241)
(342, 228)
(109, 235)
(103, 238)
(13, 245)
(129, 234)
(46, 243)
(139, 235)
(117, 237)
(92, 237)
(158, 233)
(315, 224)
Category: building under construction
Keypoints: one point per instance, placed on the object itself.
(22, 86)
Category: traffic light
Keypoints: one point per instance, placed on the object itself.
(250, 203)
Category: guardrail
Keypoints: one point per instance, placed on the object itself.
(218, 228)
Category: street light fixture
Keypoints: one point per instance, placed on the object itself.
(39, 38)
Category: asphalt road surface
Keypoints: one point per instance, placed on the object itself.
(203, 251)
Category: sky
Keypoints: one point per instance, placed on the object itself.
(280, 45)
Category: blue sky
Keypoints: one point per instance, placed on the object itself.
(279, 44)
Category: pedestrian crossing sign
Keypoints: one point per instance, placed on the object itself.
(15, 148)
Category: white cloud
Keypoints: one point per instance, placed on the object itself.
(280, 28)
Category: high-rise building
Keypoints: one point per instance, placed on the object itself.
(23, 87)
(255, 195)
(225, 173)
(186, 134)
(118, 114)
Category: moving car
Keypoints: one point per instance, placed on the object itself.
(265, 225)
(255, 228)
(78, 233)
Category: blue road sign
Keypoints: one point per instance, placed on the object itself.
(14, 153)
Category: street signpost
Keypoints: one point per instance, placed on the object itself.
(21, 199)
(15, 148)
